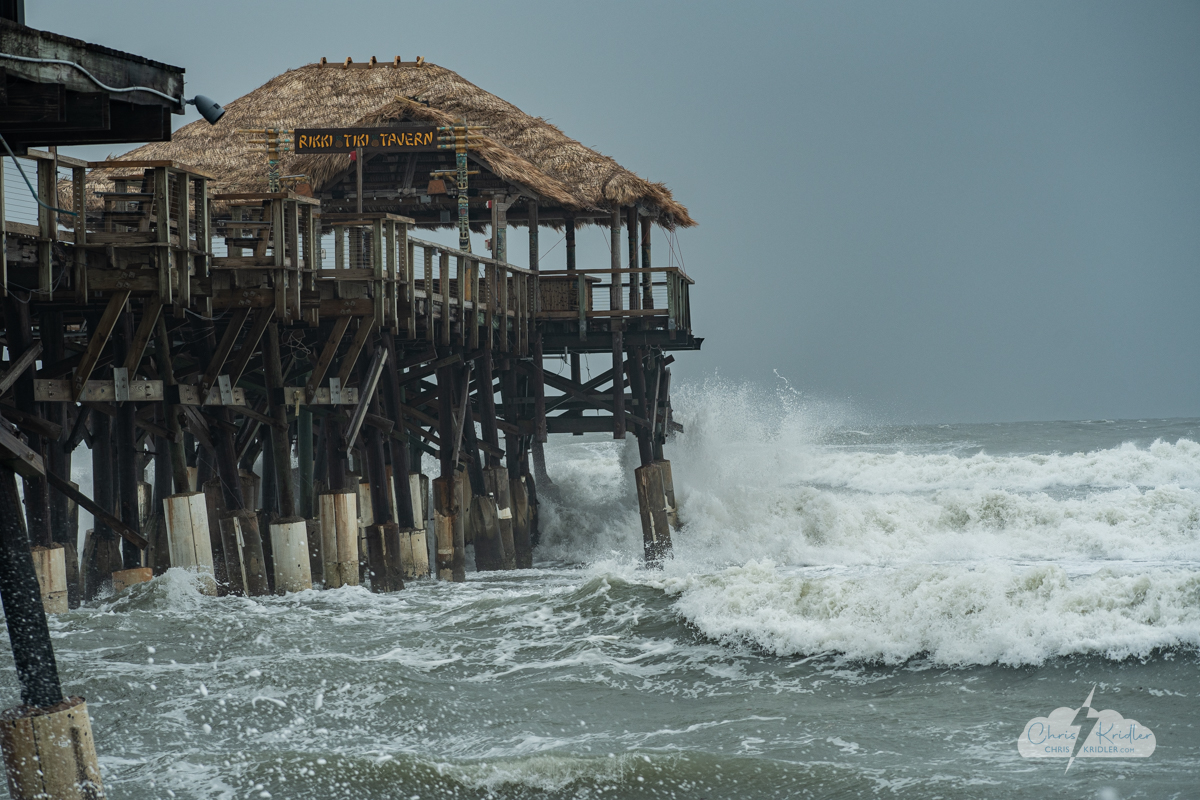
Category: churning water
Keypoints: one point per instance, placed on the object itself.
(851, 612)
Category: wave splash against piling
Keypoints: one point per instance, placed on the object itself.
(806, 532)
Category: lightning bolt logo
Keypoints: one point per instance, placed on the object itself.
(1086, 718)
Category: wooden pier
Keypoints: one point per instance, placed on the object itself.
(176, 305)
(253, 304)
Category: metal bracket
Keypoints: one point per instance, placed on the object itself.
(226, 389)
(120, 384)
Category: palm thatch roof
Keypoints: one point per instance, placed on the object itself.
(515, 146)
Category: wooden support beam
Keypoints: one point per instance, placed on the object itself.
(429, 436)
(374, 371)
(262, 318)
(587, 387)
(281, 446)
(79, 430)
(137, 346)
(198, 426)
(18, 367)
(326, 357)
(32, 423)
(262, 419)
(420, 415)
(224, 348)
(17, 456)
(426, 371)
(366, 327)
(577, 391)
(127, 533)
(104, 329)
(463, 409)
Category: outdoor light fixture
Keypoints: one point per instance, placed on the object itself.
(210, 109)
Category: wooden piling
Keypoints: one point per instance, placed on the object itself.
(497, 482)
(522, 544)
(637, 382)
(615, 326)
(188, 536)
(289, 542)
(316, 560)
(24, 613)
(445, 512)
(652, 505)
(19, 335)
(485, 523)
(401, 468)
(129, 473)
(226, 570)
(239, 530)
(51, 567)
(50, 753)
(339, 538)
(123, 579)
(103, 556)
(668, 482)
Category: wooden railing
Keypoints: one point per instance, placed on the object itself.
(659, 295)
(21, 214)
(499, 295)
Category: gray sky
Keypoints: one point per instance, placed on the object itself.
(936, 211)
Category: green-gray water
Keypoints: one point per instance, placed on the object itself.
(852, 612)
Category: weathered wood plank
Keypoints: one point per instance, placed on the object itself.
(18, 367)
(50, 390)
(104, 329)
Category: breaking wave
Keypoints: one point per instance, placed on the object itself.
(800, 539)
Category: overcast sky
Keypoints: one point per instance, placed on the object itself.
(934, 211)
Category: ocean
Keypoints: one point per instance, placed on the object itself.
(853, 609)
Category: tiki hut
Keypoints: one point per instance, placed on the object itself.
(516, 153)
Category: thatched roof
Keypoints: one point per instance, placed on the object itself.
(516, 147)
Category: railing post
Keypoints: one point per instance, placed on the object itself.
(460, 273)
(503, 285)
(162, 205)
(444, 290)
(473, 278)
(631, 225)
(79, 195)
(428, 280)
(647, 276)
(615, 326)
(410, 287)
(291, 227)
(391, 317)
(183, 255)
(47, 173)
(377, 266)
(490, 290)
(3, 238)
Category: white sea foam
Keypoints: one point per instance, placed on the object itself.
(928, 551)
(954, 614)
